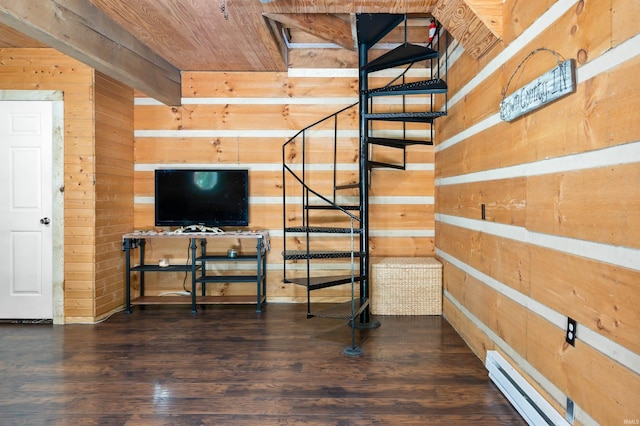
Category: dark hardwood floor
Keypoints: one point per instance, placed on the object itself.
(229, 365)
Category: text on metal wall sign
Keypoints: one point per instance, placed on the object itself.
(554, 84)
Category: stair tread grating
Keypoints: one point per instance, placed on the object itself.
(421, 117)
(433, 86)
(372, 27)
(404, 54)
(348, 186)
(303, 254)
(396, 143)
(327, 207)
(379, 165)
(316, 283)
(344, 310)
(323, 229)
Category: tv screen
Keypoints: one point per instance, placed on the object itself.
(209, 197)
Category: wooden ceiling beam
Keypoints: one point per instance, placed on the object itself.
(80, 30)
(465, 25)
(325, 26)
(490, 12)
(275, 29)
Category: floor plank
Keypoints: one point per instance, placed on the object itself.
(228, 365)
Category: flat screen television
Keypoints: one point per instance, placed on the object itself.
(207, 197)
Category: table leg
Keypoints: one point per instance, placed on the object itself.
(259, 273)
(127, 249)
(194, 310)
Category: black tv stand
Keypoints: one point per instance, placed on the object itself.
(197, 266)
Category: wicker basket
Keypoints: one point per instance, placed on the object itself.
(406, 286)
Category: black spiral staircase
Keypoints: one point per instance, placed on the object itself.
(326, 220)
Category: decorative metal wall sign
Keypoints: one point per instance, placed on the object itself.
(554, 84)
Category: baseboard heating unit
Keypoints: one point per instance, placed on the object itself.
(529, 403)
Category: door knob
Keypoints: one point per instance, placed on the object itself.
(45, 221)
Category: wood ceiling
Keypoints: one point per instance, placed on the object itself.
(148, 43)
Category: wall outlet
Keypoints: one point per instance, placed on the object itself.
(572, 326)
(569, 413)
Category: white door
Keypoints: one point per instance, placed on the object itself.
(26, 140)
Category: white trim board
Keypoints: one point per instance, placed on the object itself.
(278, 133)
(352, 72)
(339, 102)
(252, 101)
(615, 255)
(397, 200)
(267, 167)
(615, 155)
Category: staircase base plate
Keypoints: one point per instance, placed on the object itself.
(366, 325)
(353, 351)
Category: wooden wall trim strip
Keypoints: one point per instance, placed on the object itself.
(554, 13)
(351, 72)
(323, 72)
(559, 396)
(615, 255)
(33, 95)
(403, 233)
(262, 167)
(254, 101)
(58, 279)
(286, 134)
(455, 52)
(380, 233)
(401, 199)
(339, 102)
(265, 167)
(390, 200)
(469, 131)
(607, 347)
(615, 155)
(227, 133)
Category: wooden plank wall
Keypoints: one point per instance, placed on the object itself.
(561, 188)
(114, 189)
(242, 119)
(47, 69)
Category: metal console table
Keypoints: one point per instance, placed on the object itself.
(198, 263)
